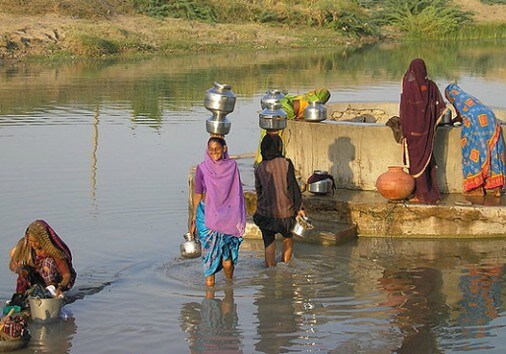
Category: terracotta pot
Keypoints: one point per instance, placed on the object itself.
(395, 184)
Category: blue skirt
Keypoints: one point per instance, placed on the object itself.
(215, 245)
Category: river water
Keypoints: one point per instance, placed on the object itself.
(101, 150)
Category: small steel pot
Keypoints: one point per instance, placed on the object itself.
(218, 126)
(320, 187)
(191, 247)
(302, 226)
(315, 112)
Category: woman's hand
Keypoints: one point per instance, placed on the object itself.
(301, 213)
(193, 227)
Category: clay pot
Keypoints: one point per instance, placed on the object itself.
(395, 184)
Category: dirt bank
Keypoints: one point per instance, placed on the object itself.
(24, 36)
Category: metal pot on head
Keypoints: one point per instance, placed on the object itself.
(272, 118)
(220, 100)
(191, 247)
(218, 126)
(272, 98)
(315, 112)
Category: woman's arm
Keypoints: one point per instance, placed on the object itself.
(64, 270)
(197, 198)
(294, 190)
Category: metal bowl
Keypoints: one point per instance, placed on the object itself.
(302, 226)
(320, 187)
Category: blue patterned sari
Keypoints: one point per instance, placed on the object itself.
(483, 149)
(215, 245)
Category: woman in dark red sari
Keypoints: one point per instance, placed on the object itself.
(421, 110)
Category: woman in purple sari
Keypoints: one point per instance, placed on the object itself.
(42, 257)
(421, 109)
(219, 213)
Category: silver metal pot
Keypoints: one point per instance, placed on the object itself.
(302, 227)
(320, 187)
(315, 112)
(272, 119)
(218, 126)
(191, 247)
(220, 100)
(272, 99)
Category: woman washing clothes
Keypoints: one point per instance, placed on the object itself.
(279, 199)
(41, 257)
(421, 110)
(483, 149)
(219, 213)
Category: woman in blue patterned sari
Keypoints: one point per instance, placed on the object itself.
(219, 213)
(483, 149)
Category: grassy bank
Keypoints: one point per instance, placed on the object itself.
(97, 28)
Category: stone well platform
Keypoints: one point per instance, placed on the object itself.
(346, 214)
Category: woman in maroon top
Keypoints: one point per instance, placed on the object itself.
(421, 110)
(42, 257)
(279, 199)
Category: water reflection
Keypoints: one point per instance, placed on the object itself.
(212, 325)
(481, 301)
(278, 320)
(54, 337)
(153, 88)
(417, 302)
(443, 294)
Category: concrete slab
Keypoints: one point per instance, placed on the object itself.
(345, 214)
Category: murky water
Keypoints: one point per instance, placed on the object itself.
(101, 150)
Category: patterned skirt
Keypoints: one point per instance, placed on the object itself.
(216, 246)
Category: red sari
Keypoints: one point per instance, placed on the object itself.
(420, 110)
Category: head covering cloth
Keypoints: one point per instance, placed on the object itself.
(52, 244)
(271, 147)
(225, 210)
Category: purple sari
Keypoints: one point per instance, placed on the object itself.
(420, 109)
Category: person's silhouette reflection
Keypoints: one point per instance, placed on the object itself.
(277, 320)
(416, 299)
(212, 325)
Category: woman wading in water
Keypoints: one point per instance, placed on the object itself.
(219, 213)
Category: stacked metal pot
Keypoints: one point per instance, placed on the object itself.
(220, 100)
(272, 117)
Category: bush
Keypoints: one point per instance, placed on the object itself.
(187, 9)
(422, 18)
